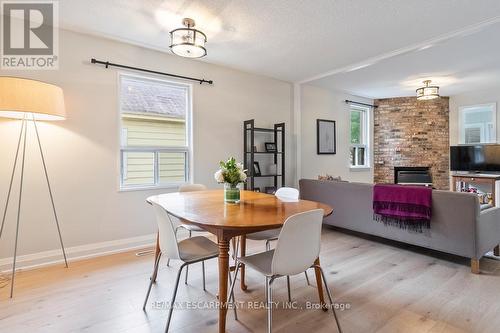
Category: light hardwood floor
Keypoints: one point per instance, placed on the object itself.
(389, 288)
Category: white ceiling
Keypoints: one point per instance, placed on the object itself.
(467, 62)
(293, 40)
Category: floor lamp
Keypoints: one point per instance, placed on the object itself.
(30, 101)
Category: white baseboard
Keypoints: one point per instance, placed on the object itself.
(51, 257)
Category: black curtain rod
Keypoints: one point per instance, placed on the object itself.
(359, 103)
(107, 64)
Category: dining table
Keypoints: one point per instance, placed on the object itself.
(254, 212)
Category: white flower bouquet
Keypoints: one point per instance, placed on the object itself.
(231, 174)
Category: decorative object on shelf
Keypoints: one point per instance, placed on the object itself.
(330, 178)
(188, 42)
(489, 196)
(483, 198)
(427, 92)
(326, 136)
(254, 149)
(231, 174)
(269, 189)
(472, 190)
(256, 169)
(270, 147)
(30, 101)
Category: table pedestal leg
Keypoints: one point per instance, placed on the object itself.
(319, 284)
(243, 250)
(223, 276)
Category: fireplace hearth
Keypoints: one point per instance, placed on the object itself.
(412, 176)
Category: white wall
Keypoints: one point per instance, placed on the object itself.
(491, 95)
(319, 103)
(82, 152)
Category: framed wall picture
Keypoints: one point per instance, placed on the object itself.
(326, 136)
(256, 169)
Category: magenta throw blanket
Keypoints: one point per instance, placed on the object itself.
(408, 207)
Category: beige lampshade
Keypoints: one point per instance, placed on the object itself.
(23, 97)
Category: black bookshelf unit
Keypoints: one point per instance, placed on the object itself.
(256, 137)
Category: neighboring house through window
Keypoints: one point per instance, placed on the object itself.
(155, 132)
(359, 136)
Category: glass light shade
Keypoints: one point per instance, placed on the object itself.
(33, 99)
(188, 42)
(427, 92)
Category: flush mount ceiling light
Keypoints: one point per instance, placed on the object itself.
(188, 42)
(427, 92)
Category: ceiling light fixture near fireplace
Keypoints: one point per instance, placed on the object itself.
(188, 42)
(427, 92)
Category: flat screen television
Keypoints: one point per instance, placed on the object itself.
(475, 158)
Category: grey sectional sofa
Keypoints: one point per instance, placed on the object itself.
(458, 226)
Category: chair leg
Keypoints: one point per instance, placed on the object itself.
(231, 290)
(288, 287)
(269, 288)
(172, 302)
(187, 268)
(203, 274)
(268, 245)
(307, 278)
(151, 280)
(330, 298)
(265, 289)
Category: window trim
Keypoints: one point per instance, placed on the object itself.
(461, 128)
(365, 135)
(188, 149)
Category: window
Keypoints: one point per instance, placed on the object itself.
(359, 136)
(155, 132)
(478, 123)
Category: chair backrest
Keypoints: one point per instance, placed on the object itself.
(192, 187)
(288, 193)
(166, 229)
(298, 243)
(186, 188)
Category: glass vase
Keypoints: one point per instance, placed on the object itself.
(231, 193)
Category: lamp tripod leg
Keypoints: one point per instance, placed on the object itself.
(12, 177)
(50, 193)
(18, 212)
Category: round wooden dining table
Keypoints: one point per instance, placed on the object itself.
(255, 212)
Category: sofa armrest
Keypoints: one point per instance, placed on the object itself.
(487, 231)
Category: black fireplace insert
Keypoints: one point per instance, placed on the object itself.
(412, 176)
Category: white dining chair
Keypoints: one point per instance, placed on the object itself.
(190, 227)
(297, 249)
(285, 194)
(189, 251)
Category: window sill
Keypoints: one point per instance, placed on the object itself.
(359, 168)
(151, 188)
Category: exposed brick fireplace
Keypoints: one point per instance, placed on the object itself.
(410, 133)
